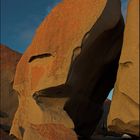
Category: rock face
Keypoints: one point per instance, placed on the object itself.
(43, 75)
(124, 113)
(46, 62)
(58, 35)
(8, 96)
(102, 126)
(93, 73)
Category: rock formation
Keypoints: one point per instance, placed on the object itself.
(124, 113)
(46, 62)
(8, 96)
(93, 73)
(76, 34)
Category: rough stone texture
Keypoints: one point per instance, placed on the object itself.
(59, 34)
(8, 96)
(124, 112)
(49, 132)
(46, 62)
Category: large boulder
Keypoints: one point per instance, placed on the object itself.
(43, 74)
(8, 96)
(46, 62)
(124, 112)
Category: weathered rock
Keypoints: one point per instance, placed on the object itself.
(45, 66)
(124, 112)
(56, 38)
(93, 73)
(8, 96)
(49, 132)
(46, 62)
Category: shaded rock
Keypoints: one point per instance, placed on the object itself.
(57, 40)
(54, 68)
(8, 96)
(101, 129)
(124, 111)
(93, 73)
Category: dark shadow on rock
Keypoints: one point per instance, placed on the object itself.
(93, 74)
(5, 128)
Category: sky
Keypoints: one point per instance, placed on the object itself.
(20, 19)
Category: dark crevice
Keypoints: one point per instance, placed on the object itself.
(61, 91)
(39, 56)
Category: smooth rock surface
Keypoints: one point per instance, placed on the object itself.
(93, 73)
